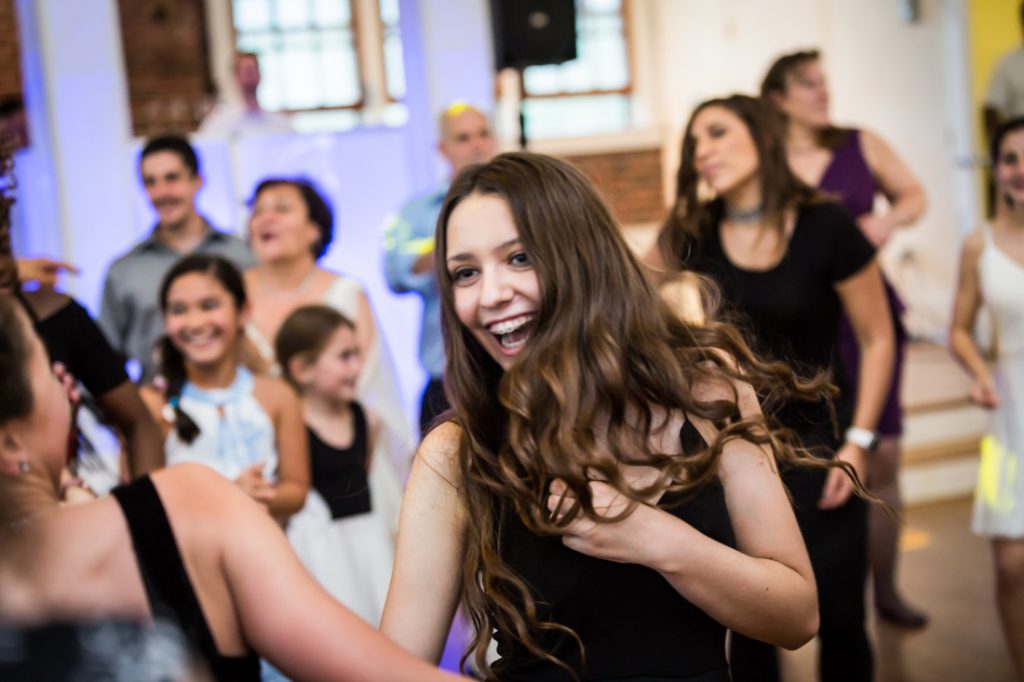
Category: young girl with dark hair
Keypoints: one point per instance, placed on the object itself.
(992, 275)
(605, 499)
(341, 536)
(787, 262)
(215, 411)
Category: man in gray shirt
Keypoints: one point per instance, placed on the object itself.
(130, 309)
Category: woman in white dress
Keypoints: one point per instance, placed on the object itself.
(992, 275)
(290, 227)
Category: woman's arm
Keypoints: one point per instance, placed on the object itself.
(288, 495)
(427, 577)
(865, 303)
(126, 409)
(965, 312)
(154, 401)
(898, 184)
(763, 589)
(278, 608)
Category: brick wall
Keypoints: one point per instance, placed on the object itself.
(10, 59)
(630, 181)
(166, 62)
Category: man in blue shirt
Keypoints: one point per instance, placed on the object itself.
(466, 139)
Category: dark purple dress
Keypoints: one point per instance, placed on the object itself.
(850, 181)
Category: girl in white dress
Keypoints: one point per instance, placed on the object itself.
(212, 409)
(341, 536)
(992, 275)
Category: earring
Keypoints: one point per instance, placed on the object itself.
(23, 466)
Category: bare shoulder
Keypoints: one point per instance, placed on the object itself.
(192, 494)
(974, 244)
(873, 144)
(194, 490)
(273, 393)
(439, 450)
(877, 151)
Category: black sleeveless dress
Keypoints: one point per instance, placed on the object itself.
(339, 474)
(170, 592)
(632, 623)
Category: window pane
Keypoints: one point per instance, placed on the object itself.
(389, 12)
(251, 15)
(292, 13)
(599, 6)
(307, 52)
(340, 75)
(394, 67)
(331, 13)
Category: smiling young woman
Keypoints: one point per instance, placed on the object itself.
(605, 498)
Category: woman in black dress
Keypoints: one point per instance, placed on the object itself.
(573, 501)
(787, 262)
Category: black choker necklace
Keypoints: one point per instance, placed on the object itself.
(750, 215)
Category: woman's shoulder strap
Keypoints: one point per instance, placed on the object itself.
(167, 584)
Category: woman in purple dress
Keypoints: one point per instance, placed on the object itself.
(854, 166)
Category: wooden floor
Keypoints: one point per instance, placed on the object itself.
(948, 572)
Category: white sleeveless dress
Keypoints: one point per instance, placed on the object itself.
(999, 497)
(234, 430)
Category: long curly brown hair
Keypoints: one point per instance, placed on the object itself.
(605, 349)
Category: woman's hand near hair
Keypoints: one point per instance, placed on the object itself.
(966, 305)
(838, 486)
(763, 589)
(427, 577)
(633, 539)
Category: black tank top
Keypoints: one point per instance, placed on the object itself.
(168, 587)
(632, 623)
(339, 474)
